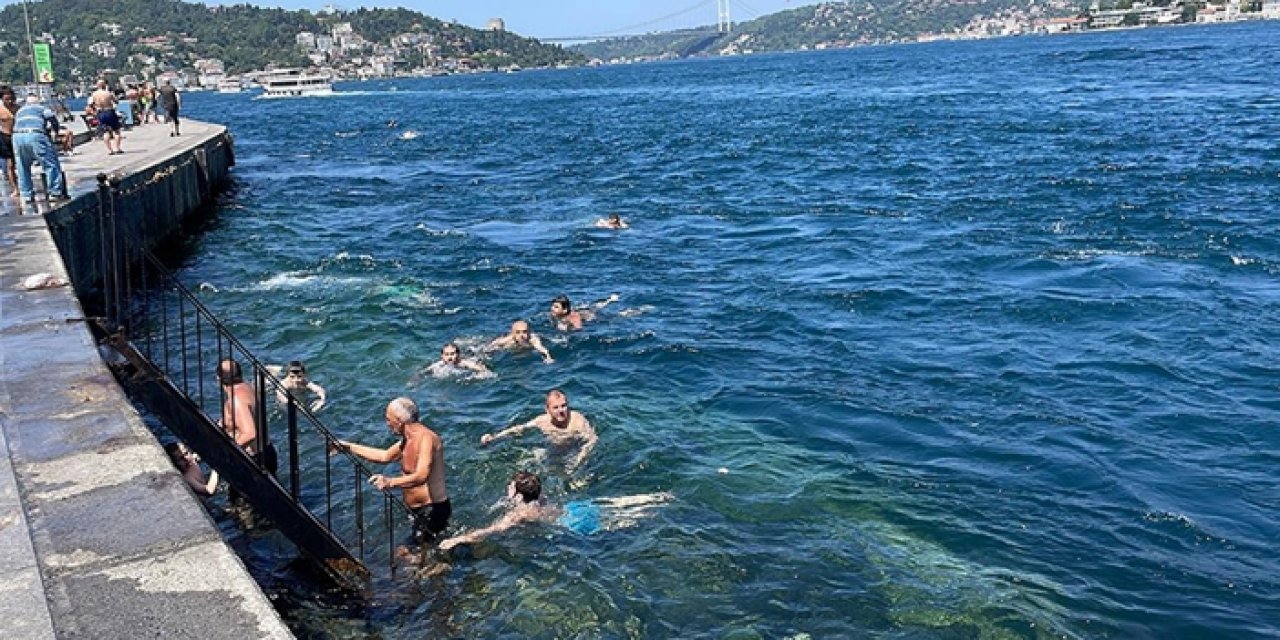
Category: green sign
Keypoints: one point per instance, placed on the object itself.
(44, 63)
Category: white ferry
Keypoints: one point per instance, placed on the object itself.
(295, 83)
(229, 85)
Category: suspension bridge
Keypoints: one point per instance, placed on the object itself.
(724, 23)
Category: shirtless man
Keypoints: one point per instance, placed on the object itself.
(451, 360)
(104, 105)
(584, 517)
(239, 408)
(559, 424)
(421, 453)
(189, 465)
(567, 318)
(8, 108)
(298, 385)
(614, 221)
(522, 338)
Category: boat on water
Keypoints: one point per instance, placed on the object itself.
(295, 83)
(229, 85)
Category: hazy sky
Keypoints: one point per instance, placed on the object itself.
(556, 18)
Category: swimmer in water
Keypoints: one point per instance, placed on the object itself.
(566, 318)
(614, 221)
(297, 384)
(561, 425)
(584, 517)
(188, 463)
(451, 361)
(522, 338)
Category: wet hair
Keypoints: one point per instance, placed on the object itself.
(229, 372)
(454, 345)
(7, 92)
(613, 217)
(296, 365)
(528, 487)
(562, 300)
(179, 460)
(556, 392)
(403, 409)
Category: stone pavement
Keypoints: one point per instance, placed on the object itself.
(99, 536)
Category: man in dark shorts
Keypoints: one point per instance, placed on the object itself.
(104, 109)
(421, 453)
(171, 102)
(8, 108)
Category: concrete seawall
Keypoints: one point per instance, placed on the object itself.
(99, 535)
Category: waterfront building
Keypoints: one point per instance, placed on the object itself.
(1271, 9)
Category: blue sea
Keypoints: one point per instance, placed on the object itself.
(951, 340)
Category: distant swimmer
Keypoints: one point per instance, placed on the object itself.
(392, 123)
(297, 384)
(452, 362)
(522, 338)
(613, 221)
(585, 517)
(567, 318)
(561, 425)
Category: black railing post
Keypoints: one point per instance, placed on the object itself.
(112, 214)
(328, 491)
(295, 486)
(388, 511)
(104, 196)
(360, 510)
(264, 433)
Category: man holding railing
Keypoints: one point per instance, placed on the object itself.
(239, 408)
(421, 453)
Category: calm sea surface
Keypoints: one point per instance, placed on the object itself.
(982, 333)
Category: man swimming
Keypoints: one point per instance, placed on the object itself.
(297, 384)
(584, 517)
(561, 425)
(451, 361)
(567, 318)
(421, 453)
(614, 221)
(522, 338)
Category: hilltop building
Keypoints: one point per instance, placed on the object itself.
(496, 24)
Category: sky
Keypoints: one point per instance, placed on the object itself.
(558, 18)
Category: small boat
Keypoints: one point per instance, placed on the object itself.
(295, 83)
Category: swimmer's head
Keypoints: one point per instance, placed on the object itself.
(102, 84)
(296, 368)
(520, 331)
(179, 455)
(400, 412)
(526, 485)
(615, 219)
(229, 372)
(450, 354)
(558, 407)
(560, 306)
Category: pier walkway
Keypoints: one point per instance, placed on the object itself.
(99, 535)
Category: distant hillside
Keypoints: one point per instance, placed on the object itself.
(839, 24)
(142, 36)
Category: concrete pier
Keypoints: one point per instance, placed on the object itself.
(99, 535)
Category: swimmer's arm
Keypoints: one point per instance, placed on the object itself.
(537, 346)
(500, 342)
(212, 485)
(320, 396)
(372, 454)
(475, 366)
(604, 302)
(504, 523)
(588, 446)
(509, 431)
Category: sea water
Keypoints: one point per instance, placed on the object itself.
(932, 341)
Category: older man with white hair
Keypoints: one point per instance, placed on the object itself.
(421, 453)
(31, 142)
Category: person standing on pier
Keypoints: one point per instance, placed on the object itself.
(30, 143)
(171, 101)
(421, 453)
(8, 107)
(104, 109)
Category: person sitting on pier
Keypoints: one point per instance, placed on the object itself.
(566, 317)
(103, 103)
(239, 408)
(297, 384)
(561, 425)
(421, 452)
(583, 517)
(188, 464)
(522, 338)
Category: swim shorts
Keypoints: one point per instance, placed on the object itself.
(429, 520)
(108, 120)
(580, 516)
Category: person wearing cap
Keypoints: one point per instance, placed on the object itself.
(296, 384)
(31, 142)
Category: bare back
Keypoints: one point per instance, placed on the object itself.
(102, 99)
(577, 429)
(238, 412)
(423, 446)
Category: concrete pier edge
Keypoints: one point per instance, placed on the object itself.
(99, 535)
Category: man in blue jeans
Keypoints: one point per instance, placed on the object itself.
(30, 143)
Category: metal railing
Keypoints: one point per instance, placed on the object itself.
(164, 329)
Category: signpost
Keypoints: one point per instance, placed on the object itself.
(43, 62)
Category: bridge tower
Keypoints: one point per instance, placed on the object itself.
(724, 23)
